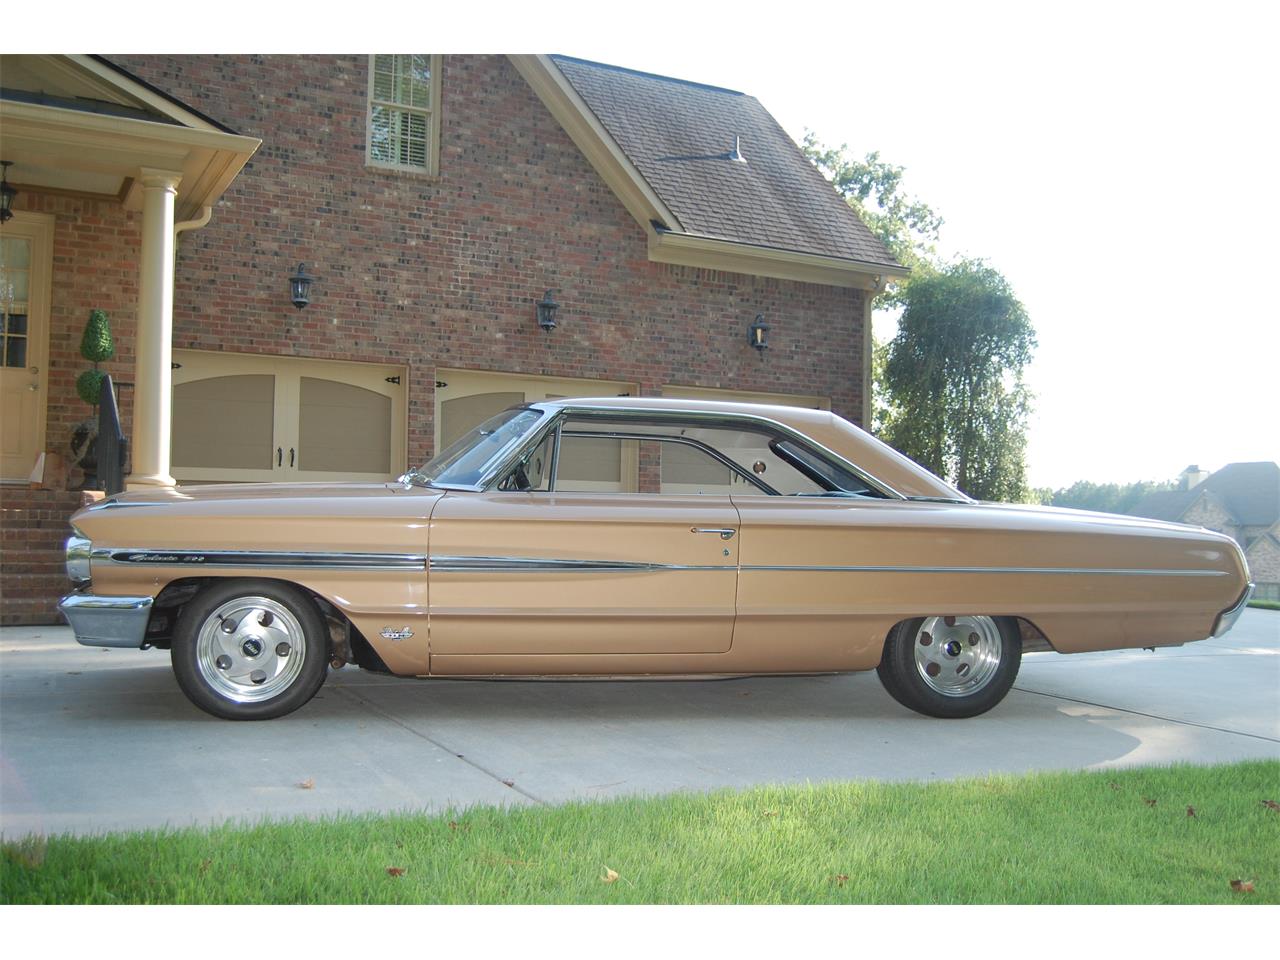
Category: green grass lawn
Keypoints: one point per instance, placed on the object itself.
(1098, 837)
(1265, 604)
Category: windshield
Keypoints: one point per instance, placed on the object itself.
(465, 461)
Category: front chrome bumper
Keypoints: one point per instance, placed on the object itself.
(1227, 618)
(107, 621)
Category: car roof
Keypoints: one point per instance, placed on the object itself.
(854, 444)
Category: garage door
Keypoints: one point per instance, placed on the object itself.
(238, 417)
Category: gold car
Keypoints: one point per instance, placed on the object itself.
(627, 537)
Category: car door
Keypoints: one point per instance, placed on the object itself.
(580, 574)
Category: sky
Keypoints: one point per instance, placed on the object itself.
(1116, 162)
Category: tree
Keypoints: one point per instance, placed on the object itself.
(1105, 497)
(906, 226)
(953, 380)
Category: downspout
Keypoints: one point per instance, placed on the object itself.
(195, 224)
(868, 344)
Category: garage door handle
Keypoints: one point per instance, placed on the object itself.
(291, 456)
(726, 533)
(279, 456)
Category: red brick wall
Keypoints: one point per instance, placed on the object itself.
(445, 271)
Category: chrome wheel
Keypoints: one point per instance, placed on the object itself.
(957, 656)
(250, 649)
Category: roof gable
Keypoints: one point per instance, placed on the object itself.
(721, 163)
(1251, 491)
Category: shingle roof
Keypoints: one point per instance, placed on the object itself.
(1165, 504)
(1249, 491)
(681, 137)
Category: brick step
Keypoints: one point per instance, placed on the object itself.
(49, 586)
(28, 564)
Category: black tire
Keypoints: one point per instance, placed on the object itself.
(236, 648)
(951, 675)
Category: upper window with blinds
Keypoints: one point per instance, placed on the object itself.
(404, 111)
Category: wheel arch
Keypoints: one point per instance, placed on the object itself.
(345, 641)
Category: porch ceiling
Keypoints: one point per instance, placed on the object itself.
(82, 143)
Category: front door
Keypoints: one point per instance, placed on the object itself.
(26, 256)
(581, 573)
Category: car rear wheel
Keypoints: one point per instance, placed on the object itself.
(951, 666)
(250, 649)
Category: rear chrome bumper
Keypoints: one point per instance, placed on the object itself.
(1227, 618)
(107, 621)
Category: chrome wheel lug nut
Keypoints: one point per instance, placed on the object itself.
(223, 662)
(282, 649)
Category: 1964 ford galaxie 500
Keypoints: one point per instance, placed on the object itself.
(634, 538)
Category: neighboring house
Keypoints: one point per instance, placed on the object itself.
(436, 200)
(1241, 500)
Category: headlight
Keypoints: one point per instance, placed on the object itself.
(79, 549)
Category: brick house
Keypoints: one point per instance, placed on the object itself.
(436, 201)
(1241, 500)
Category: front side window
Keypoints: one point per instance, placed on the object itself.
(467, 460)
(404, 111)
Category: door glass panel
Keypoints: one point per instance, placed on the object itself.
(225, 422)
(15, 278)
(343, 428)
(461, 414)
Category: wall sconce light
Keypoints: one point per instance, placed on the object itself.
(547, 312)
(7, 193)
(300, 287)
(759, 334)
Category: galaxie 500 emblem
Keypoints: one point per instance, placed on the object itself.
(404, 633)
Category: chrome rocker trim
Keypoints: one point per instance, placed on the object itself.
(1227, 618)
(107, 621)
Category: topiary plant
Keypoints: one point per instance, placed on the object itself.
(97, 345)
(89, 386)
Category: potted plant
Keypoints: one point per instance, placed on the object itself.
(97, 346)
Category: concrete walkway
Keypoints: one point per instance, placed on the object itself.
(94, 740)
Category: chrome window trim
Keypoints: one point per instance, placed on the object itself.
(314, 560)
(559, 411)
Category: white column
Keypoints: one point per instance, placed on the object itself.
(153, 388)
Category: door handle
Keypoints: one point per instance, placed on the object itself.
(279, 456)
(726, 533)
(291, 456)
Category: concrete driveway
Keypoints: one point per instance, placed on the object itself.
(94, 740)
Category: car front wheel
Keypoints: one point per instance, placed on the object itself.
(951, 666)
(250, 649)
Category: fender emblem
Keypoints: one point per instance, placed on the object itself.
(404, 633)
